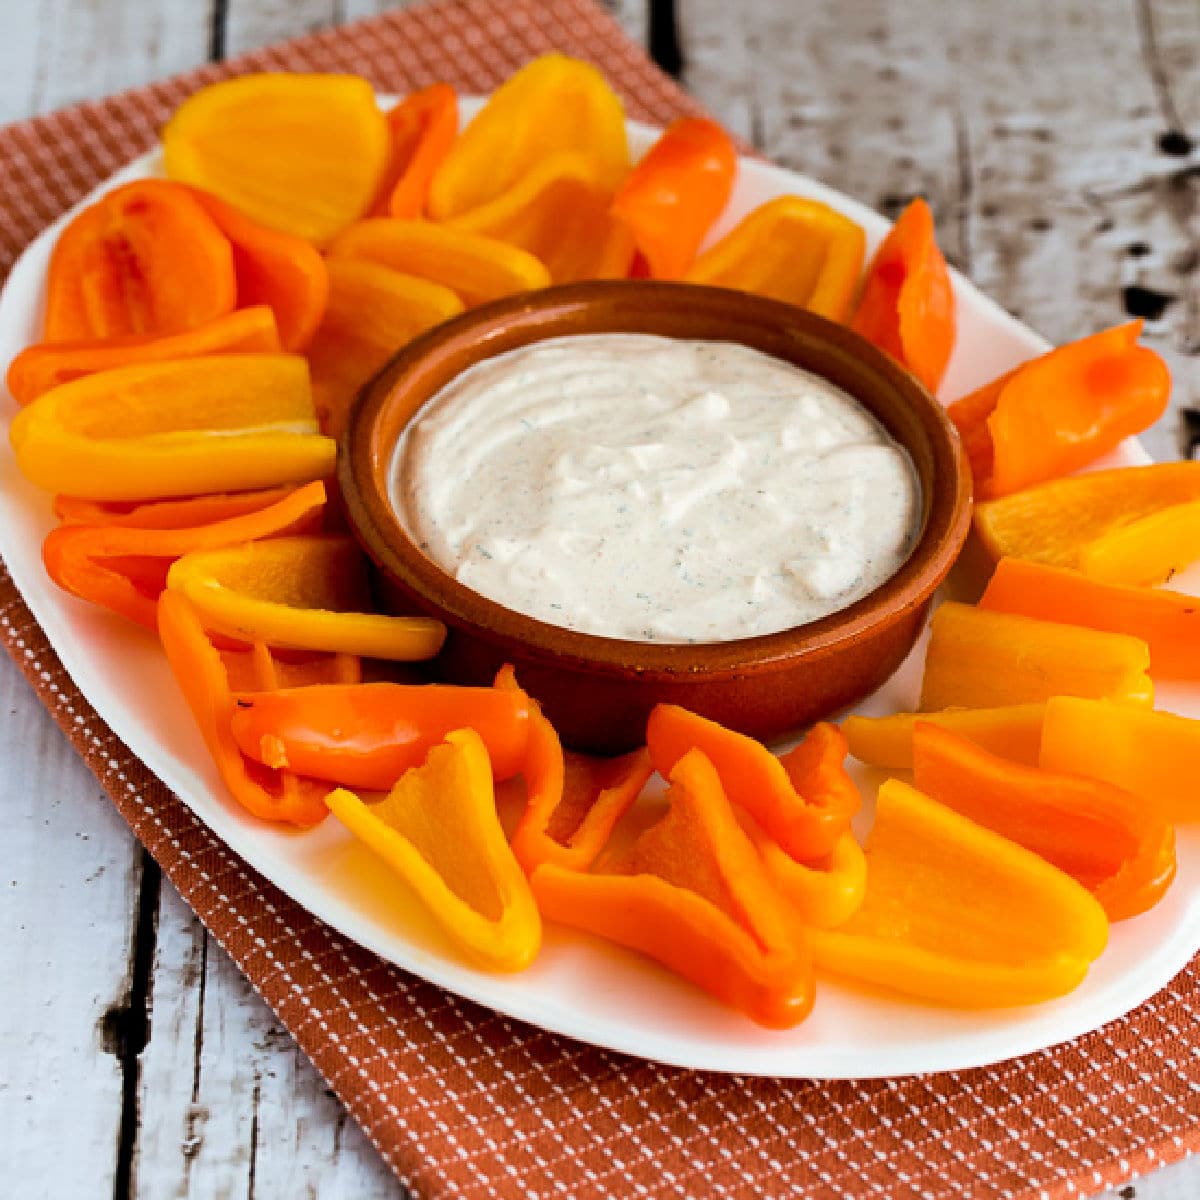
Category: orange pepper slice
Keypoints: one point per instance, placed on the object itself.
(421, 129)
(301, 153)
(438, 830)
(826, 891)
(553, 105)
(1168, 622)
(208, 676)
(691, 892)
(1129, 526)
(372, 312)
(907, 303)
(806, 827)
(222, 422)
(1061, 411)
(143, 259)
(676, 192)
(477, 268)
(123, 567)
(791, 249)
(303, 593)
(1033, 930)
(979, 658)
(1108, 839)
(169, 514)
(39, 368)
(277, 269)
(367, 735)
(1155, 755)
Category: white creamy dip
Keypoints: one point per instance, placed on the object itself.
(656, 489)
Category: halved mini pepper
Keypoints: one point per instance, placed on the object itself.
(560, 212)
(372, 312)
(1061, 411)
(792, 249)
(957, 914)
(224, 422)
(554, 104)
(208, 678)
(39, 368)
(438, 830)
(123, 567)
(806, 827)
(1119, 847)
(676, 192)
(1168, 622)
(274, 268)
(692, 893)
(1130, 525)
(304, 593)
(1155, 755)
(1013, 731)
(301, 153)
(572, 801)
(984, 659)
(367, 735)
(907, 305)
(421, 129)
(143, 259)
(477, 268)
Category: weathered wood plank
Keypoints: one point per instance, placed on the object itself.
(231, 1106)
(1049, 183)
(56, 52)
(70, 882)
(250, 25)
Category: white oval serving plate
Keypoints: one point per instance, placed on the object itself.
(579, 986)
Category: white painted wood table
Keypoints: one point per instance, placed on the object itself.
(1055, 144)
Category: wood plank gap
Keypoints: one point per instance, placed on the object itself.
(198, 1041)
(253, 1167)
(125, 1027)
(217, 23)
(966, 189)
(1175, 140)
(664, 37)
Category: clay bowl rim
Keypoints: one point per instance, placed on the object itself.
(364, 459)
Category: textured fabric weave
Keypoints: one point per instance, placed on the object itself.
(461, 1101)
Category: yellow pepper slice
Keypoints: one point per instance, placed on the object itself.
(792, 249)
(438, 830)
(225, 423)
(1122, 526)
(980, 658)
(1013, 731)
(301, 153)
(553, 104)
(303, 593)
(1155, 755)
(478, 268)
(957, 914)
(560, 212)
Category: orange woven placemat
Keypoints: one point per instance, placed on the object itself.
(461, 1101)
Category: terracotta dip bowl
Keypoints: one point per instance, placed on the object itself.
(598, 690)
